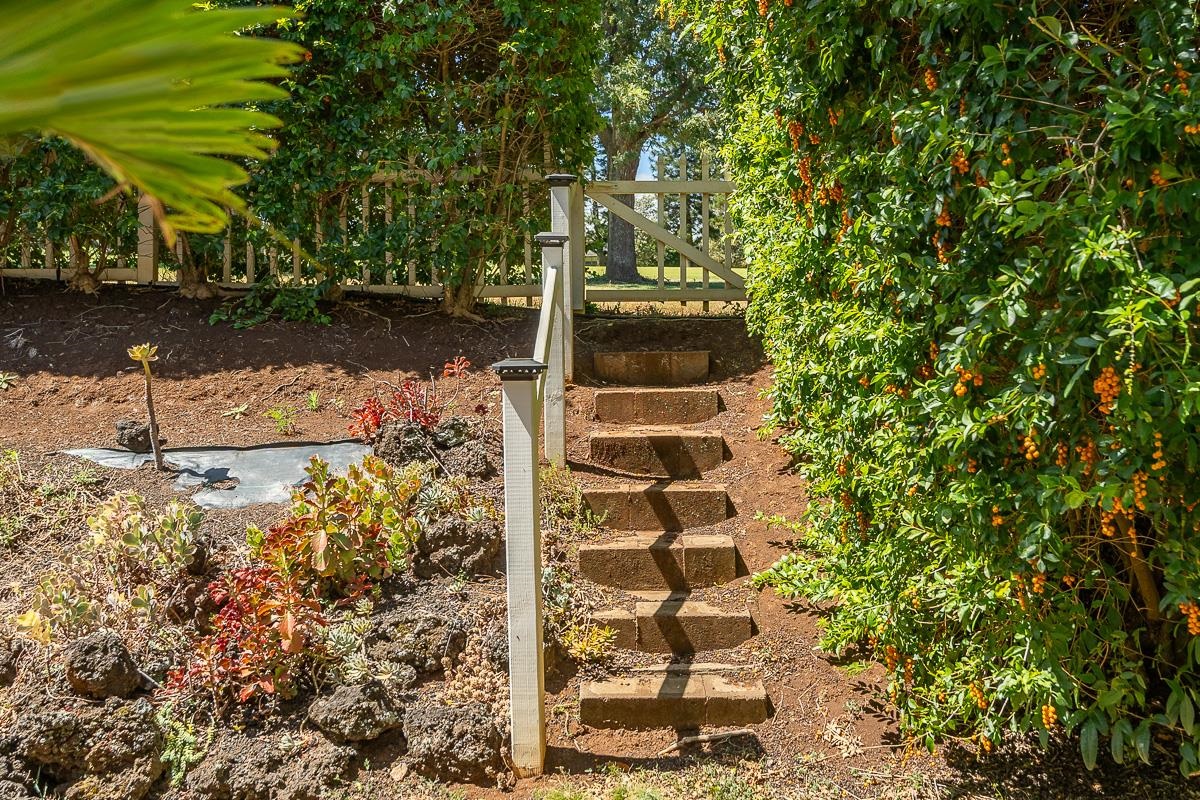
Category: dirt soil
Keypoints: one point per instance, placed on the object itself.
(829, 736)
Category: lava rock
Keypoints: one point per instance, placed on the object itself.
(99, 666)
(451, 432)
(135, 436)
(10, 790)
(9, 654)
(356, 713)
(89, 752)
(403, 677)
(241, 767)
(191, 603)
(453, 546)
(401, 443)
(201, 555)
(461, 744)
(420, 639)
(469, 459)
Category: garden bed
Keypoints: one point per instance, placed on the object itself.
(216, 386)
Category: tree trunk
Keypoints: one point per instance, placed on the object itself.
(460, 300)
(193, 280)
(622, 253)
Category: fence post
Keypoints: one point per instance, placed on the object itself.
(147, 247)
(561, 188)
(560, 344)
(523, 547)
(576, 225)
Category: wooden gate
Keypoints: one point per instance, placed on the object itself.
(708, 257)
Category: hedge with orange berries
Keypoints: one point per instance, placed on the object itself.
(975, 263)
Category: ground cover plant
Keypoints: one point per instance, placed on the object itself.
(971, 229)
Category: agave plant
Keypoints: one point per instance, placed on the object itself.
(149, 90)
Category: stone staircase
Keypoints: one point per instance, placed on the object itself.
(660, 506)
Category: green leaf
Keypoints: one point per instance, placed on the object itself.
(148, 89)
(1089, 743)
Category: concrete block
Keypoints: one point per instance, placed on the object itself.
(658, 452)
(656, 406)
(658, 368)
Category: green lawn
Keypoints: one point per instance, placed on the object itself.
(595, 275)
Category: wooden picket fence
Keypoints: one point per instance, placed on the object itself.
(705, 251)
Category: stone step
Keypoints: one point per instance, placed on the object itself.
(659, 506)
(677, 625)
(656, 406)
(653, 562)
(658, 452)
(658, 368)
(672, 700)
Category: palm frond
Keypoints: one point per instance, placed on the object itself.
(149, 89)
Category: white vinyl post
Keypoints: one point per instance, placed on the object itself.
(523, 546)
(575, 229)
(561, 188)
(555, 393)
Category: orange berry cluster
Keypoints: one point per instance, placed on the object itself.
(972, 466)
(941, 248)
(960, 162)
(943, 218)
(1139, 489)
(1006, 148)
(892, 656)
(981, 181)
(1049, 716)
(965, 378)
(1037, 584)
(1029, 446)
(1192, 130)
(908, 664)
(834, 117)
(1039, 372)
(1062, 454)
(1018, 582)
(1108, 518)
(1108, 387)
(847, 501)
(796, 133)
(1088, 454)
(997, 518)
(1068, 581)
(1156, 177)
(1192, 612)
(912, 490)
(843, 467)
(977, 696)
(831, 194)
(985, 743)
(763, 7)
(1181, 75)
(1159, 463)
(931, 81)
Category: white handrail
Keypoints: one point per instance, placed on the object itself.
(534, 390)
(551, 283)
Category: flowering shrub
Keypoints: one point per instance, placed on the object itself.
(972, 234)
(345, 532)
(411, 401)
(341, 535)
